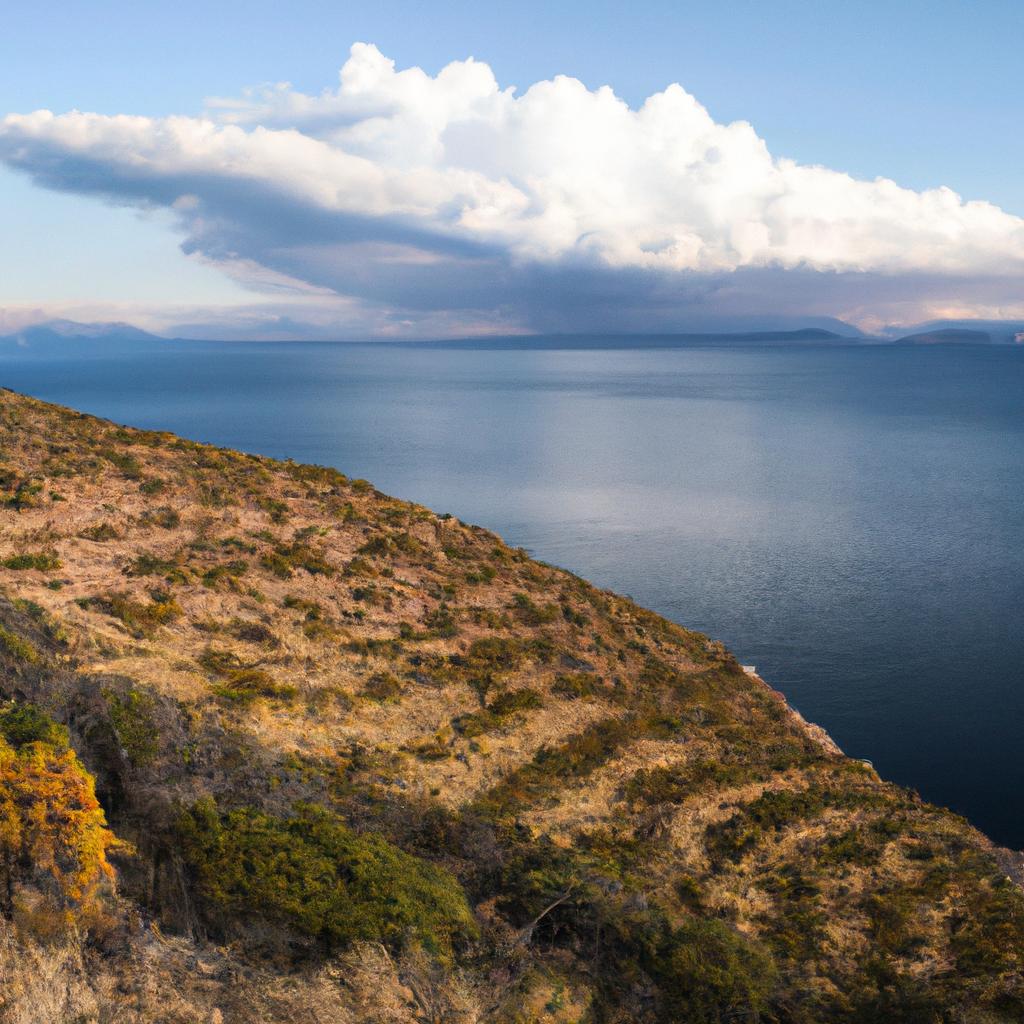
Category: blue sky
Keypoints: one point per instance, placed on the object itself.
(926, 94)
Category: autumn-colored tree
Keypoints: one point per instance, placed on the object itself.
(53, 832)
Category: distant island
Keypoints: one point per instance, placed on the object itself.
(949, 336)
(278, 747)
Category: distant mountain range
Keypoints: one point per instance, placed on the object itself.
(56, 337)
(964, 332)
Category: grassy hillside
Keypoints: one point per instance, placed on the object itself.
(275, 746)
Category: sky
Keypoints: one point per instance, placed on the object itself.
(201, 169)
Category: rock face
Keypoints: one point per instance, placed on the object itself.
(362, 763)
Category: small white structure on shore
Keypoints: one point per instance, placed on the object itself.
(751, 670)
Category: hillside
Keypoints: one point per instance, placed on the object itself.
(277, 747)
(948, 336)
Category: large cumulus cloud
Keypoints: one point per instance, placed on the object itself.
(448, 200)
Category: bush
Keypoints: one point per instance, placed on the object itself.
(531, 614)
(100, 532)
(53, 833)
(771, 812)
(17, 646)
(490, 656)
(226, 570)
(44, 561)
(498, 712)
(253, 633)
(26, 495)
(575, 685)
(129, 466)
(245, 685)
(382, 687)
(21, 724)
(164, 517)
(313, 874)
(147, 564)
(240, 682)
(709, 974)
(551, 767)
(286, 558)
(132, 714)
(441, 622)
(141, 620)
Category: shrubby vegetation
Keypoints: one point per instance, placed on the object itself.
(313, 874)
(139, 618)
(498, 712)
(133, 715)
(53, 834)
(17, 646)
(43, 561)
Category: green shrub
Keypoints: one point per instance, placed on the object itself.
(165, 517)
(552, 767)
(382, 687)
(778, 809)
(100, 532)
(133, 715)
(676, 783)
(512, 701)
(49, 624)
(148, 564)
(313, 874)
(312, 609)
(277, 510)
(141, 620)
(498, 712)
(17, 646)
(492, 655)
(25, 723)
(441, 622)
(709, 974)
(575, 685)
(226, 570)
(129, 466)
(26, 495)
(531, 614)
(285, 558)
(44, 561)
(243, 683)
(220, 662)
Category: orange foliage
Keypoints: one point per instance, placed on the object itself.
(53, 832)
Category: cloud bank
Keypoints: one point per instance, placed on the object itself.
(401, 203)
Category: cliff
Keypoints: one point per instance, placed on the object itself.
(277, 747)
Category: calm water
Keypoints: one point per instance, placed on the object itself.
(848, 519)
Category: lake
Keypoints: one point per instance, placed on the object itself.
(848, 518)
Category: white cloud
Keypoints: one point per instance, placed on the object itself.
(428, 194)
